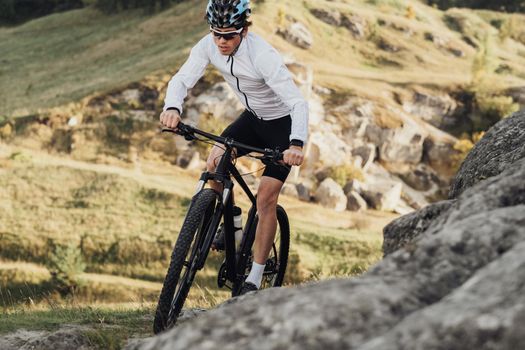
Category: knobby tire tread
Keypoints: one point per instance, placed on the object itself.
(197, 210)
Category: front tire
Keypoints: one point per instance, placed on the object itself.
(185, 253)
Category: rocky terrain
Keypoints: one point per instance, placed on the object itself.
(383, 135)
(456, 284)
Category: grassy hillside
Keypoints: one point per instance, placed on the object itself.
(81, 188)
(66, 56)
(123, 222)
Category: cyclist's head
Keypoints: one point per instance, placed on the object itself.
(228, 13)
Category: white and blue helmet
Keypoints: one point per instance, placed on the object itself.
(228, 13)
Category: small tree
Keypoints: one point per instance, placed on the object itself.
(65, 265)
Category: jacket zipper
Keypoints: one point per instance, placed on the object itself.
(239, 88)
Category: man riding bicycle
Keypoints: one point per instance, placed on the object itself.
(276, 114)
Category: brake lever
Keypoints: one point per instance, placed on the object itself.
(182, 130)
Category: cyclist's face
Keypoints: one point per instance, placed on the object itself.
(228, 42)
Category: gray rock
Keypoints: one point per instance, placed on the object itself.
(501, 146)
(303, 191)
(414, 198)
(66, 338)
(367, 153)
(355, 24)
(330, 195)
(190, 160)
(404, 230)
(355, 185)
(355, 202)
(387, 46)
(489, 322)
(298, 35)
(219, 100)
(431, 107)
(421, 177)
(518, 95)
(439, 155)
(469, 245)
(331, 17)
(384, 200)
(290, 190)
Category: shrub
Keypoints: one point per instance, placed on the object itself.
(494, 108)
(344, 173)
(65, 265)
(410, 12)
(463, 146)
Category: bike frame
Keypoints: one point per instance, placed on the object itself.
(235, 263)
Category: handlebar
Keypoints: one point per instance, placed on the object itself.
(189, 132)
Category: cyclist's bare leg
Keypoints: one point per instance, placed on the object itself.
(211, 164)
(267, 197)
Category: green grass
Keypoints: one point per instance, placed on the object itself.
(126, 228)
(132, 319)
(67, 56)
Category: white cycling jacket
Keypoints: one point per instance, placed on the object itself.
(256, 73)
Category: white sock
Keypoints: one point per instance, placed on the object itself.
(256, 274)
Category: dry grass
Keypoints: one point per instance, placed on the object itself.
(125, 223)
(64, 57)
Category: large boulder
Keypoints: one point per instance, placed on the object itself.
(384, 199)
(502, 145)
(404, 230)
(219, 101)
(458, 286)
(433, 108)
(381, 190)
(330, 195)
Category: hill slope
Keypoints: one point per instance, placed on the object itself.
(66, 56)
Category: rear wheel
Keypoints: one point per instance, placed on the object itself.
(278, 257)
(182, 269)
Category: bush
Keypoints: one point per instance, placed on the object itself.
(65, 265)
(463, 146)
(344, 173)
(494, 108)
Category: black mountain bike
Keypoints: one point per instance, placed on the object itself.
(202, 221)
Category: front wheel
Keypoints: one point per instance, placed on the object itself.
(185, 254)
(277, 258)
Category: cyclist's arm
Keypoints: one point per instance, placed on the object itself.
(279, 79)
(187, 76)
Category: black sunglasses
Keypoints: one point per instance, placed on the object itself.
(226, 35)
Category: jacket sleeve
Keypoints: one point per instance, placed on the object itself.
(277, 76)
(187, 76)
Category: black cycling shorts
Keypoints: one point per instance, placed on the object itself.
(252, 131)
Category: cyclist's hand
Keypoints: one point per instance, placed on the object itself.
(293, 156)
(170, 118)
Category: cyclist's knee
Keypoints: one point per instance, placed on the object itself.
(213, 158)
(267, 201)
